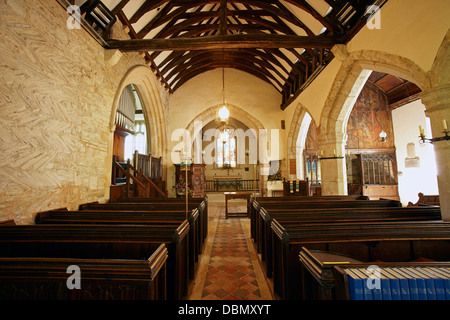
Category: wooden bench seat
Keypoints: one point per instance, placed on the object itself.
(135, 242)
(131, 217)
(322, 280)
(293, 217)
(371, 241)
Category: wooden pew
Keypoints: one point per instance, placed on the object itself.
(151, 204)
(371, 241)
(135, 242)
(197, 223)
(130, 217)
(425, 200)
(322, 278)
(24, 278)
(257, 202)
(9, 222)
(293, 217)
(309, 204)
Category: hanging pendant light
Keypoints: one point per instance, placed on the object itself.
(222, 110)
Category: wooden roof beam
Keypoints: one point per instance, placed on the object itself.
(224, 42)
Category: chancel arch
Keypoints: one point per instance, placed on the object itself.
(249, 128)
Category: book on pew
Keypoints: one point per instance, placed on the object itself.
(403, 283)
(394, 284)
(412, 283)
(421, 284)
(360, 272)
(429, 285)
(355, 284)
(376, 291)
(438, 282)
(445, 274)
(385, 287)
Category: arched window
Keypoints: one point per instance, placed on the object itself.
(226, 149)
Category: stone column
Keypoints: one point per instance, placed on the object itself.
(437, 103)
(263, 174)
(332, 166)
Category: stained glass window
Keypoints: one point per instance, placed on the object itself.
(226, 149)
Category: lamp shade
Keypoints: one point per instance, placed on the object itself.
(383, 135)
(223, 114)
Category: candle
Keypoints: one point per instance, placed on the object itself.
(334, 152)
(444, 124)
(421, 130)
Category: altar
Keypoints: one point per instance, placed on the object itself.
(237, 195)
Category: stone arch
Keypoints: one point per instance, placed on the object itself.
(210, 115)
(145, 82)
(235, 112)
(152, 106)
(295, 129)
(351, 78)
(440, 71)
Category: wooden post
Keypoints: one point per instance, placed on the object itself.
(114, 170)
(128, 182)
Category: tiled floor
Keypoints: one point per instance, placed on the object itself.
(229, 268)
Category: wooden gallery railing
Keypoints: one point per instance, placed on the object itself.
(136, 183)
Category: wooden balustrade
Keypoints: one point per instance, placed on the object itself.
(137, 184)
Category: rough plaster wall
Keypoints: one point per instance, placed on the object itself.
(56, 95)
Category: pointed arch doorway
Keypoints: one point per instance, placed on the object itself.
(130, 133)
(137, 128)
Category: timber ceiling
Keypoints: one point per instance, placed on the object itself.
(286, 43)
(398, 91)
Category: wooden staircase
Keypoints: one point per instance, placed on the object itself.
(129, 182)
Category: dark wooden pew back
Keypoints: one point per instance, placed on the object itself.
(292, 217)
(134, 242)
(388, 241)
(24, 278)
(315, 204)
(131, 217)
(158, 204)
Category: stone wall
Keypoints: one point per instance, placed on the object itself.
(56, 97)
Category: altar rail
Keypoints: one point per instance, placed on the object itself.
(238, 184)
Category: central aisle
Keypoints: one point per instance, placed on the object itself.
(229, 268)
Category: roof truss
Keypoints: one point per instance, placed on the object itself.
(283, 42)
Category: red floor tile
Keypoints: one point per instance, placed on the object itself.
(230, 274)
